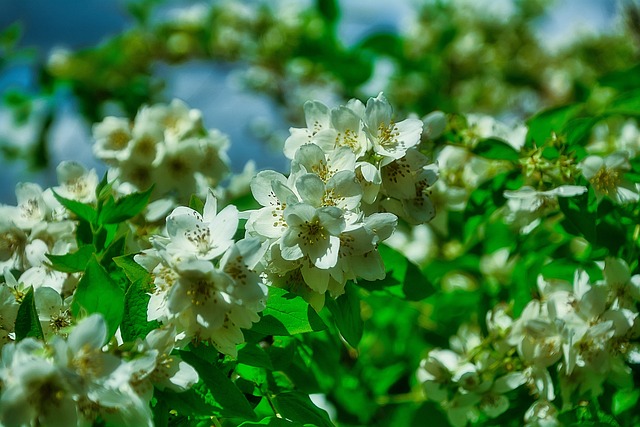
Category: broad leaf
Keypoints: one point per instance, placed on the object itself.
(27, 321)
(346, 313)
(98, 293)
(287, 314)
(134, 323)
(299, 407)
(124, 208)
(222, 389)
(74, 262)
(496, 149)
(82, 210)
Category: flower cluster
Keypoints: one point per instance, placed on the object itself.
(40, 225)
(583, 330)
(353, 169)
(204, 282)
(165, 145)
(75, 381)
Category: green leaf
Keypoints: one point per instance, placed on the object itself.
(496, 149)
(74, 262)
(98, 293)
(134, 323)
(273, 422)
(402, 278)
(187, 403)
(222, 389)
(623, 400)
(578, 130)
(254, 355)
(196, 204)
(299, 407)
(82, 210)
(287, 314)
(27, 321)
(132, 269)
(544, 124)
(124, 208)
(346, 313)
(329, 9)
(580, 215)
(627, 103)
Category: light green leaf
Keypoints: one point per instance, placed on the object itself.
(27, 321)
(623, 400)
(132, 269)
(287, 314)
(98, 293)
(82, 210)
(74, 262)
(124, 208)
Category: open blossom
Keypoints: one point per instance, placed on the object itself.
(203, 236)
(606, 176)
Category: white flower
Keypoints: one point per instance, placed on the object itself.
(112, 137)
(313, 233)
(204, 236)
(76, 182)
(390, 140)
(31, 208)
(318, 118)
(35, 390)
(606, 177)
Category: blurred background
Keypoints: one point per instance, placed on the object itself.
(250, 65)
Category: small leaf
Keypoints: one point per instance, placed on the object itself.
(287, 314)
(346, 313)
(27, 321)
(98, 293)
(124, 208)
(299, 407)
(82, 210)
(74, 262)
(223, 390)
(196, 204)
(496, 149)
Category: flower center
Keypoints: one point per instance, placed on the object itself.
(311, 232)
(388, 135)
(606, 180)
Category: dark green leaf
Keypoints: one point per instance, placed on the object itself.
(346, 313)
(580, 215)
(188, 403)
(329, 9)
(273, 422)
(403, 278)
(124, 208)
(298, 407)
(223, 390)
(73, 262)
(496, 149)
(27, 321)
(82, 210)
(98, 293)
(287, 314)
(254, 355)
(134, 323)
(578, 130)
